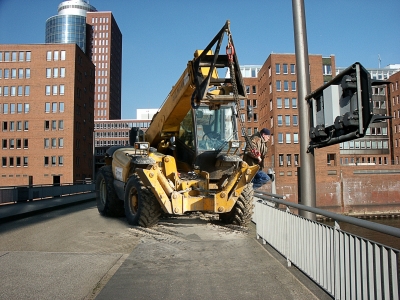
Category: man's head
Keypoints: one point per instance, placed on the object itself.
(265, 134)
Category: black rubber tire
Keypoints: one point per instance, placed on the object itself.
(141, 206)
(108, 203)
(242, 211)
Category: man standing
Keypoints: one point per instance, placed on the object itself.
(255, 153)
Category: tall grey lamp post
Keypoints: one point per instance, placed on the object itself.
(307, 162)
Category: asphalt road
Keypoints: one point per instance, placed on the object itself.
(74, 253)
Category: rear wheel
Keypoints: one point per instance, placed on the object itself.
(141, 206)
(108, 203)
(242, 211)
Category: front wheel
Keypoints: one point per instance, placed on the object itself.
(242, 211)
(141, 206)
(108, 203)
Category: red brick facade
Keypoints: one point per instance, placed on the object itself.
(46, 114)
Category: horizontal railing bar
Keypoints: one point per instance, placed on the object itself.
(355, 221)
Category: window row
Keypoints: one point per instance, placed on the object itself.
(12, 108)
(253, 89)
(363, 160)
(253, 116)
(15, 125)
(364, 145)
(14, 143)
(111, 143)
(53, 160)
(101, 20)
(290, 158)
(19, 73)
(112, 134)
(53, 124)
(252, 103)
(55, 72)
(285, 86)
(285, 68)
(54, 107)
(55, 90)
(14, 161)
(285, 103)
(53, 143)
(55, 55)
(287, 119)
(14, 56)
(287, 138)
(20, 90)
(121, 125)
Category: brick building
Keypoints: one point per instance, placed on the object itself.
(346, 173)
(106, 53)
(46, 109)
(394, 104)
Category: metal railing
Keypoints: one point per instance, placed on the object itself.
(345, 265)
(16, 194)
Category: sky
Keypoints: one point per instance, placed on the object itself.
(160, 36)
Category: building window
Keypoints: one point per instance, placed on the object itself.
(46, 161)
(46, 125)
(55, 90)
(54, 107)
(254, 89)
(280, 137)
(47, 107)
(281, 160)
(294, 102)
(287, 120)
(27, 73)
(46, 143)
(289, 159)
(20, 94)
(293, 86)
(26, 125)
(62, 72)
(26, 108)
(53, 143)
(60, 142)
(63, 54)
(280, 120)
(327, 70)
(4, 143)
(278, 102)
(285, 69)
(25, 143)
(255, 117)
(292, 69)
(288, 138)
(48, 55)
(61, 106)
(48, 89)
(53, 125)
(278, 86)
(286, 85)
(60, 125)
(62, 89)
(254, 103)
(287, 103)
(295, 138)
(48, 72)
(295, 120)
(277, 69)
(247, 89)
(21, 56)
(4, 161)
(296, 159)
(20, 73)
(60, 160)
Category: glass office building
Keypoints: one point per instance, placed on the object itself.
(69, 26)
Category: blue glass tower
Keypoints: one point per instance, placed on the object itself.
(69, 26)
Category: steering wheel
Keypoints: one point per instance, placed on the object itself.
(211, 136)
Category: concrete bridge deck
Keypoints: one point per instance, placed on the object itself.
(184, 258)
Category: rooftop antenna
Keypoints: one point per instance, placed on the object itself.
(379, 61)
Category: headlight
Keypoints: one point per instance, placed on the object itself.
(142, 146)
